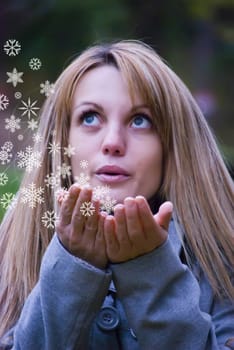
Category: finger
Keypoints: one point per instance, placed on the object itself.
(91, 224)
(163, 217)
(112, 245)
(134, 227)
(100, 240)
(121, 226)
(61, 195)
(68, 205)
(146, 216)
(79, 214)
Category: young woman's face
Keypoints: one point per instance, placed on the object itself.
(115, 137)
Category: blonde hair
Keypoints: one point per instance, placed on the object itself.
(195, 177)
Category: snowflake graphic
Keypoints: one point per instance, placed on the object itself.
(18, 95)
(5, 155)
(12, 123)
(87, 209)
(84, 164)
(12, 47)
(35, 63)
(29, 159)
(7, 200)
(49, 219)
(52, 180)
(54, 148)
(47, 88)
(29, 108)
(32, 124)
(8, 145)
(3, 179)
(14, 77)
(107, 204)
(64, 170)
(4, 102)
(20, 137)
(100, 192)
(32, 195)
(61, 194)
(37, 137)
(69, 151)
(82, 179)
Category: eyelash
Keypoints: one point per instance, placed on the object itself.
(85, 114)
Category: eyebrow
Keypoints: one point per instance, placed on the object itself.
(96, 105)
(89, 103)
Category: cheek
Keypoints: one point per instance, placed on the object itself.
(155, 160)
(84, 153)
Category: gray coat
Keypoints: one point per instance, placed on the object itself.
(151, 302)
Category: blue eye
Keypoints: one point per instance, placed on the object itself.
(88, 118)
(142, 121)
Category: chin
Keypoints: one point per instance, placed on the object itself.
(120, 196)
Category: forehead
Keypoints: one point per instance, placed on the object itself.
(105, 83)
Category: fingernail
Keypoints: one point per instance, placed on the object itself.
(140, 197)
(129, 200)
(118, 207)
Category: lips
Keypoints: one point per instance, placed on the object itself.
(112, 170)
(112, 174)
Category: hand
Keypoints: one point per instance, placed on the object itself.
(82, 236)
(134, 231)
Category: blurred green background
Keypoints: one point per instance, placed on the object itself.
(195, 37)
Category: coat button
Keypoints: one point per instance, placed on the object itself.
(108, 318)
(133, 334)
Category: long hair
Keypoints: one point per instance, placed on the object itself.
(195, 177)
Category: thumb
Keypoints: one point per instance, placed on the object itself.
(164, 215)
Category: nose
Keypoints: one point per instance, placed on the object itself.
(114, 142)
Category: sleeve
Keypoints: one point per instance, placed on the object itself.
(161, 297)
(60, 309)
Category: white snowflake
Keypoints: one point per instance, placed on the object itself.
(49, 219)
(69, 151)
(35, 63)
(3, 179)
(20, 137)
(32, 124)
(12, 47)
(18, 95)
(61, 194)
(7, 200)
(100, 192)
(82, 179)
(64, 170)
(84, 164)
(107, 204)
(5, 155)
(29, 159)
(47, 88)
(37, 137)
(29, 108)
(4, 102)
(87, 209)
(32, 195)
(54, 148)
(14, 77)
(52, 180)
(12, 123)
(8, 145)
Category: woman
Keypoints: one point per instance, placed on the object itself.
(136, 278)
